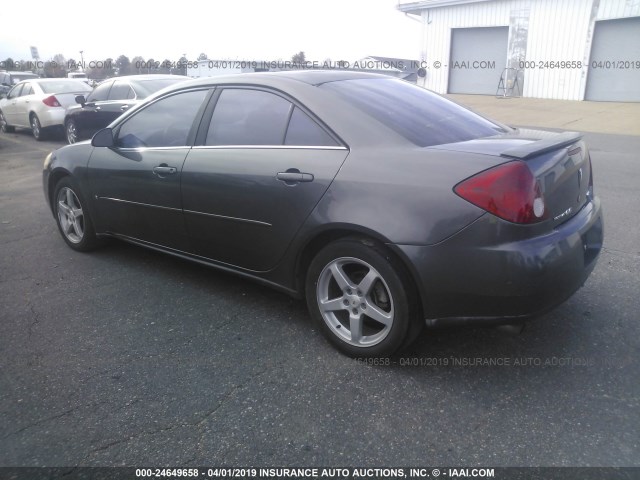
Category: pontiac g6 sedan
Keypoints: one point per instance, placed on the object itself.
(385, 205)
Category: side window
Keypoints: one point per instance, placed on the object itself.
(304, 131)
(165, 123)
(15, 91)
(248, 117)
(100, 93)
(119, 91)
(27, 89)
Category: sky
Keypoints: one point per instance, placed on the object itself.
(223, 29)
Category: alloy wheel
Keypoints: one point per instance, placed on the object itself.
(70, 215)
(355, 301)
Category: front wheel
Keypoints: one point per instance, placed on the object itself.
(73, 218)
(361, 298)
(4, 126)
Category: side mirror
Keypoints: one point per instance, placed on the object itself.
(80, 99)
(103, 138)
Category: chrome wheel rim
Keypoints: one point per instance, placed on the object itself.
(355, 302)
(70, 215)
(35, 126)
(3, 122)
(72, 133)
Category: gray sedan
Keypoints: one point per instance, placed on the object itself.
(386, 206)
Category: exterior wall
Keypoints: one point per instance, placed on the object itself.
(540, 30)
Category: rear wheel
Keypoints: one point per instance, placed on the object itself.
(36, 128)
(4, 126)
(360, 298)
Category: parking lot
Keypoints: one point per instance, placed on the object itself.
(129, 357)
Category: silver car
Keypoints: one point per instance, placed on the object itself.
(39, 104)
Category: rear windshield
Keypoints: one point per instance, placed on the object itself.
(144, 88)
(64, 86)
(420, 116)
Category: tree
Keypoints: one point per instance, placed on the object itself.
(137, 65)
(57, 66)
(202, 56)
(298, 57)
(108, 70)
(165, 66)
(182, 67)
(151, 66)
(123, 63)
(8, 64)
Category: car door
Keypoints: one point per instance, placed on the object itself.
(121, 97)
(22, 104)
(9, 105)
(90, 118)
(257, 174)
(136, 183)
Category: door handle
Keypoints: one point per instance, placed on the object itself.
(161, 170)
(98, 108)
(124, 107)
(293, 175)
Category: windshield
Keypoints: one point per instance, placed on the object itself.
(144, 88)
(420, 116)
(64, 86)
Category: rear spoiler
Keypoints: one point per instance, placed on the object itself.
(543, 146)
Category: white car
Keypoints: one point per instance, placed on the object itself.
(39, 104)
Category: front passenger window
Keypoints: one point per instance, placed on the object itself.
(165, 123)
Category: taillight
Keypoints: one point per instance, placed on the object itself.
(509, 191)
(51, 101)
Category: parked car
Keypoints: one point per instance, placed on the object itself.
(385, 205)
(39, 104)
(109, 100)
(9, 79)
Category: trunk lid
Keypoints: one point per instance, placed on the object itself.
(67, 100)
(559, 161)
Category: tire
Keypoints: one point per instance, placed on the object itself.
(3, 125)
(39, 133)
(71, 132)
(73, 218)
(361, 298)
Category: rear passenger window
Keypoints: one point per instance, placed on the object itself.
(248, 117)
(100, 93)
(119, 91)
(305, 131)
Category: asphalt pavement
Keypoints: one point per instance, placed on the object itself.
(125, 356)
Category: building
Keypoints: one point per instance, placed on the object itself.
(558, 49)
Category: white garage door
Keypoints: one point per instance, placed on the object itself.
(614, 74)
(478, 57)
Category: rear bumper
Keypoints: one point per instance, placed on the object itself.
(51, 117)
(481, 275)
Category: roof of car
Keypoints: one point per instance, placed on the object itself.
(151, 76)
(311, 77)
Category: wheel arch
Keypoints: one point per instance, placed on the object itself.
(54, 177)
(330, 233)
